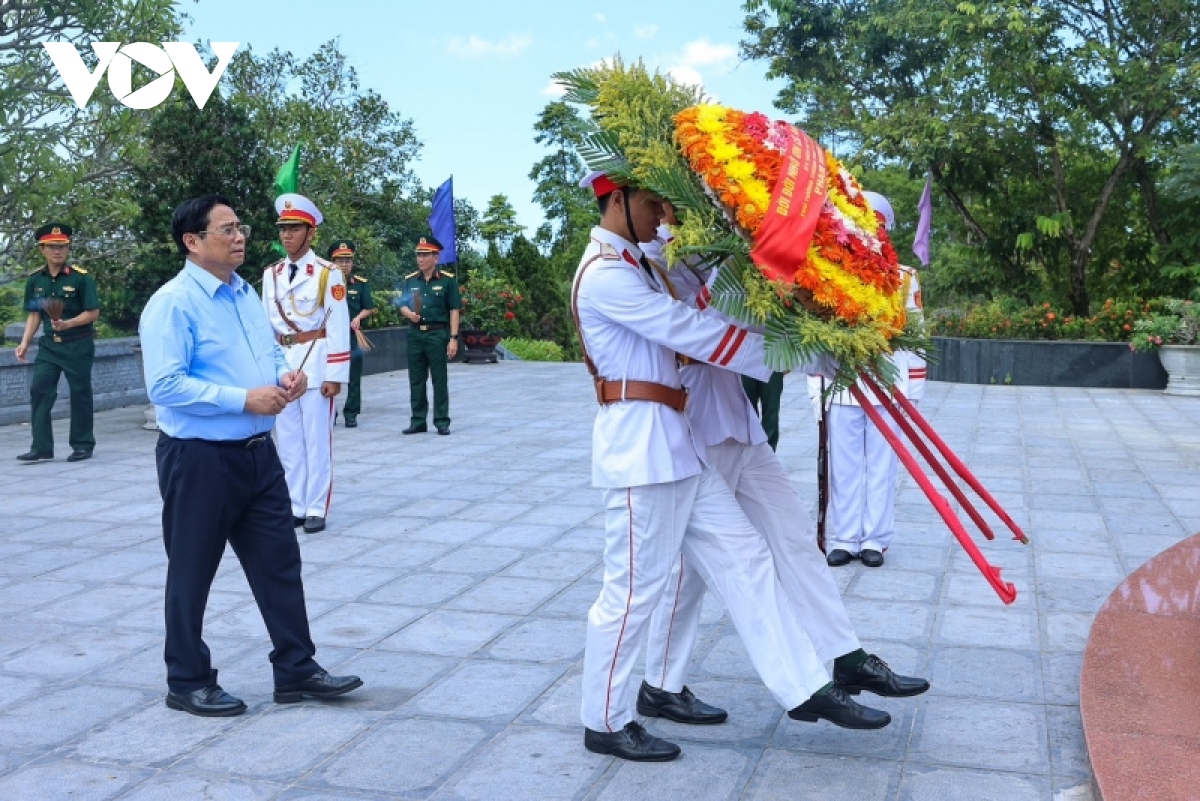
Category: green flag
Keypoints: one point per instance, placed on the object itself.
(288, 176)
(286, 181)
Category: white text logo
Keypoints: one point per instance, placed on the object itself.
(172, 57)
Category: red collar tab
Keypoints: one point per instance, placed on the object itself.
(627, 256)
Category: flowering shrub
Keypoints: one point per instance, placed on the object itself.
(535, 350)
(1115, 321)
(490, 304)
(1177, 324)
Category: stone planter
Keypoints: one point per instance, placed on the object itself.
(479, 346)
(1182, 363)
(1110, 365)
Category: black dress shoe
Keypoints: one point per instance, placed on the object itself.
(444, 431)
(838, 557)
(35, 456)
(318, 685)
(313, 524)
(871, 558)
(417, 429)
(681, 707)
(840, 709)
(79, 456)
(632, 742)
(297, 522)
(208, 702)
(351, 422)
(875, 676)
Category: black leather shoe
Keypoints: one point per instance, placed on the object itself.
(297, 522)
(79, 456)
(444, 431)
(871, 558)
(875, 676)
(417, 429)
(840, 709)
(351, 422)
(313, 524)
(208, 702)
(319, 685)
(35, 456)
(837, 557)
(681, 707)
(632, 742)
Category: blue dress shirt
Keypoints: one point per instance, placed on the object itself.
(205, 344)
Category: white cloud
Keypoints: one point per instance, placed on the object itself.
(645, 31)
(600, 18)
(703, 53)
(689, 76)
(476, 47)
(554, 89)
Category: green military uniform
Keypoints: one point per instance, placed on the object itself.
(358, 297)
(428, 339)
(766, 396)
(71, 351)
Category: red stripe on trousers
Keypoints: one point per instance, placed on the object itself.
(628, 602)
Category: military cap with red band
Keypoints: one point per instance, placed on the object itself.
(294, 208)
(427, 244)
(600, 183)
(53, 234)
(342, 247)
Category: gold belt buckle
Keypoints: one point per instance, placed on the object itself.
(287, 340)
(57, 338)
(423, 328)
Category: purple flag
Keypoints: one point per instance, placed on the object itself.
(924, 223)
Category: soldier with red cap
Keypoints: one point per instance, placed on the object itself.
(305, 299)
(62, 299)
(434, 311)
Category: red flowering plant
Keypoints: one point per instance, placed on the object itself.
(1114, 321)
(490, 304)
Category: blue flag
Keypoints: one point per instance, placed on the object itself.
(441, 222)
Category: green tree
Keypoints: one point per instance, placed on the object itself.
(545, 313)
(499, 225)
(56, 160)
(186, 155)
(1042, 122)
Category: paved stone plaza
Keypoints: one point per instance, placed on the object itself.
(456, 576)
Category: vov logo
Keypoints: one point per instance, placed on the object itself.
(118, 60)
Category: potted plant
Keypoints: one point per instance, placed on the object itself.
(1174, 332)
(489, 314)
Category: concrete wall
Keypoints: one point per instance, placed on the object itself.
(117, 378)
(1046, 364)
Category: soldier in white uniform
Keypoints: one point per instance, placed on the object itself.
(731, 437)
(305, 298)
(862, 466)
(661, 498)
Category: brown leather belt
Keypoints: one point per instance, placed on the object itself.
(614, 391)
(287, 340)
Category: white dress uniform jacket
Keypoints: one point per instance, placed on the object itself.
(305, 307)
(626, 320)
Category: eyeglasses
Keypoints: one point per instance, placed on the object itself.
(228, 231)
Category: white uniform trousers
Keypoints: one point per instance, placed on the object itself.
(304, 439)
(862, 482)
(771, 504)
(645, 529)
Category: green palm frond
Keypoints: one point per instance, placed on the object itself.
(729, 296)
(600, 150)
(581, 85)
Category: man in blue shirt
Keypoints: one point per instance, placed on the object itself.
(217, 379)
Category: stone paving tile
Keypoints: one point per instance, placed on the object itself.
(463, 603)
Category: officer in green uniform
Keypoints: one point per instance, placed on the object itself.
(63, 300)
(433, 337)
(766, 397)
(361, 306)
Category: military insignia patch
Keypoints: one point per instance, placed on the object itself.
(339, 292)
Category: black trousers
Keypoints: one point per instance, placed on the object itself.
(215, 492)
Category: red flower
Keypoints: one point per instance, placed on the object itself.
(509, 315)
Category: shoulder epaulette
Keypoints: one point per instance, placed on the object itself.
(413, 274)
(608, 252)
(447, 274)
(327, 265)
(32, 273)
(79, 269)
(358, 279)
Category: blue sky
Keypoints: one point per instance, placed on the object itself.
(474, 75)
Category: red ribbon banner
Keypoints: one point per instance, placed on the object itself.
(783, 239)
